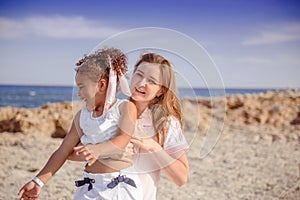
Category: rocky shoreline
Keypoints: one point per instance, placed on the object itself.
(277, 109)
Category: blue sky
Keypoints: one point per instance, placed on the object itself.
(253, 44)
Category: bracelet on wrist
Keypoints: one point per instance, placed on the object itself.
(38, 181)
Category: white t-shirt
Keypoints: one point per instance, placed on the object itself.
(174, 142)
(99, 129)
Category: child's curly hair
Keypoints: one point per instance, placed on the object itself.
(97, 66)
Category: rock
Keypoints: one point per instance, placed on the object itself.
(10, 125)
(296, 121)
(59, 131)
(234, 103)
(43, 119)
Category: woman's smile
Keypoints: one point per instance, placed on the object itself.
(140, 91)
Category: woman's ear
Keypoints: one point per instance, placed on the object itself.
(160, 92)
(102, 85)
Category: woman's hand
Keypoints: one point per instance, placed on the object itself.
(148, 145)
(129, 151)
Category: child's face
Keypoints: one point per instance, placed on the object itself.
(87, 90)
(146, 82)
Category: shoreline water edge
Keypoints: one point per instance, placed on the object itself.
(24, 96)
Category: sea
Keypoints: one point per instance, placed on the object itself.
(36, 96)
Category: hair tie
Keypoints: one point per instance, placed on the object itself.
(124, 86)
(111, 88)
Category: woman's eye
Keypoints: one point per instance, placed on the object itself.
(152, 82)
(139, 74)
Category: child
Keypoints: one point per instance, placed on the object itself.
(105, 120)
(161, 144)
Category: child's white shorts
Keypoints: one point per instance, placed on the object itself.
(95, 186)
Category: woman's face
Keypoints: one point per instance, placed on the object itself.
(87, 90)
(146, 82)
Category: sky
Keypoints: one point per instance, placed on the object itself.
(252, 44)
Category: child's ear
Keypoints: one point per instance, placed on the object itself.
(102, 85)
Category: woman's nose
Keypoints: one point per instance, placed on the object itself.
(143, 82)
(79, 94)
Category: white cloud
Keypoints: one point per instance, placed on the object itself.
(278, 34)
(272, 61)
(256, 61)
(54, 27)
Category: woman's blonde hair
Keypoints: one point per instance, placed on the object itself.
(167, 104)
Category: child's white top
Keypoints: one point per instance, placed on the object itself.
(99, 129)
(174, 142)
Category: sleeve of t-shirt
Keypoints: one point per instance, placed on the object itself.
(175, 140)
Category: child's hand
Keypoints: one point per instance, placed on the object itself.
(29, 191)
(84, 153)
(75, 157)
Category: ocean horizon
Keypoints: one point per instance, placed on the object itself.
(31, 96)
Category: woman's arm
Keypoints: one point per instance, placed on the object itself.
(174, 166)
(177, 170)
(55, 162)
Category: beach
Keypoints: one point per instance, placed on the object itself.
(249, 144)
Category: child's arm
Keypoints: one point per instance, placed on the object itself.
(57, 159)
(126, 128)
(115, 147)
